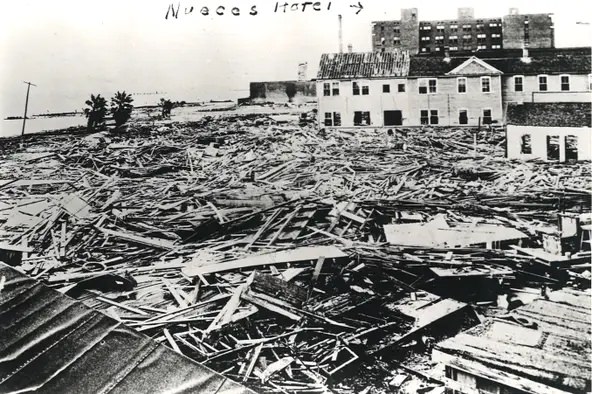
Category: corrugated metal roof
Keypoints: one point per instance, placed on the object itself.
(51, 343)
(400, 64)
(364, 65)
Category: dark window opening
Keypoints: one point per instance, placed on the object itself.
(355, 89)
(335, 89)
(434, 116)
(332, 119)
(552, 147)
(525, 145)
(571, 148)
(462, 85)
(463, 117)
(361, 118)
(393, 118)
(386, 88)
(486, 116)
(401, 88)
(518, 84)
(326, 89)
(565, 82)
(543, 83)
(365, 90)
(424, 116)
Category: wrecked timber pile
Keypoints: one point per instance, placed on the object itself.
(258, 248)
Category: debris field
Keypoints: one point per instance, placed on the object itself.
(268, 250)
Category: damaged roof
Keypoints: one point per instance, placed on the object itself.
(541, 346)
(550, 114)
(51, 343)
(364, 65)
(398, 63)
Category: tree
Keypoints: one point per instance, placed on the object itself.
(291, 91)
(95, 112)
(121, 107)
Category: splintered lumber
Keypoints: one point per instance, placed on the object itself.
(276, 367)
(150, 241)
(225, 315)
(305, 253)
(273, 307)
(279, 288)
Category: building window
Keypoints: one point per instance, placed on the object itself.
(543, 83)
(486, 116)
(486, 84)
(493, 25)
(355, 89)
(362, 118)
(401, 88)
(440, 27)
(496, 46)
(466, 27)
(428, 86)
(396, 30)
(428, 116)
(365, 90)
(453, 38)
(453, 27)
(463, 116)
(496, 35)
(336, 119)
(525, 146)
(425, 38)
(461, 85)
(481, 35)
(564, 82)
(454, 48)
(326, 89)
(424, 116)
(481, 46)
(432, 85)
(434, 116)
(386, 88)
(467, 37)
(396, 40)
(332, 119)
(518, 83)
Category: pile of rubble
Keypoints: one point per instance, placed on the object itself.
(286, 258)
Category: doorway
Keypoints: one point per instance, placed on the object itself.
(393, 118)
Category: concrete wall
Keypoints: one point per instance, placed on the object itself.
(447, 101)
(578, 89)
(538, 141)
(275, 91)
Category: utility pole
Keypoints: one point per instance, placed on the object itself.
(26, 105)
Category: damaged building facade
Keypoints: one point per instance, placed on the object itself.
(463, 34)
(382, 89)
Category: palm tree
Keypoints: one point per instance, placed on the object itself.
(121, 107)
(95, 112)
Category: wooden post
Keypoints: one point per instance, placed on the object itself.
(26, 106)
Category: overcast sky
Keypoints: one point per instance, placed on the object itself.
(73, 48)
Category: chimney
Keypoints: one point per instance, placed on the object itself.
(447, 54)
(350, 48)
(340, 35)
(525, 57)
